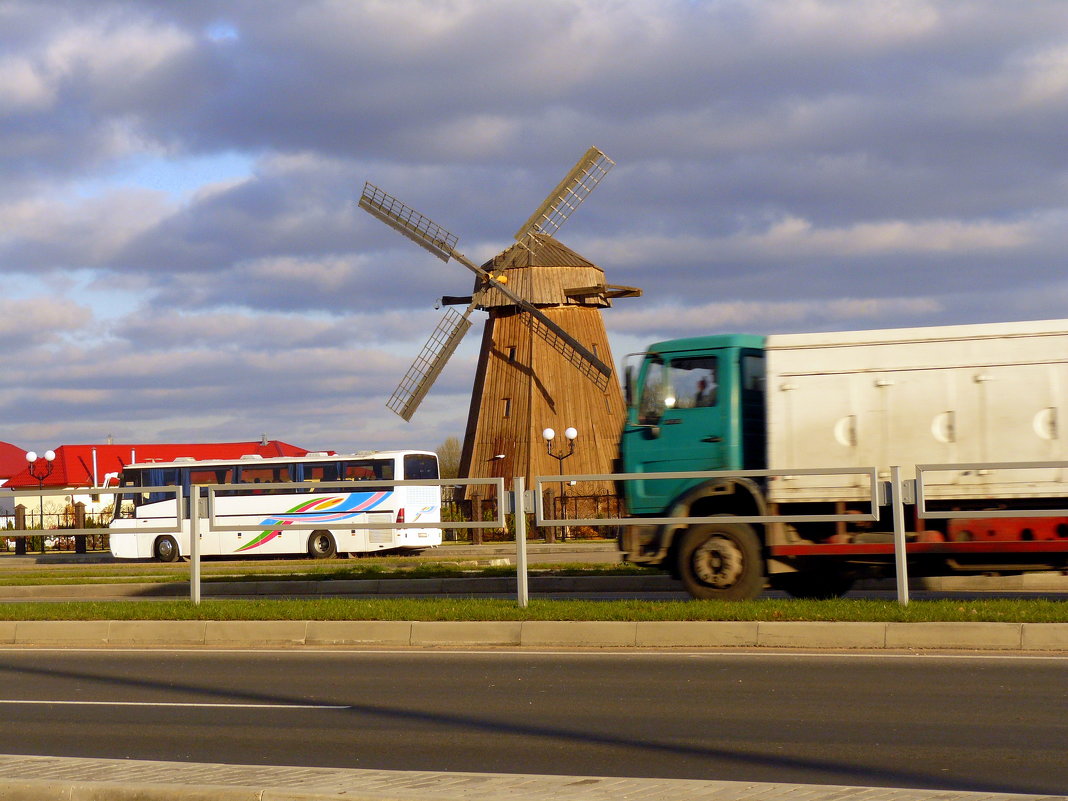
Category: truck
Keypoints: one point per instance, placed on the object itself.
(979, 396)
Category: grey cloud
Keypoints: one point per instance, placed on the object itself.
(39, 322)
(808, 164)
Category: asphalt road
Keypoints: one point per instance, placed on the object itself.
(942, 722)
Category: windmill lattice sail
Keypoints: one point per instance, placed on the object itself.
(597, 372)
(565, 198)
(428, 365)
(403, 218)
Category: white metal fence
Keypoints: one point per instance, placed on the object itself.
(518, 502)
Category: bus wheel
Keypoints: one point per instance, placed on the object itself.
(321, 545)
(721, 561)
(166, 549)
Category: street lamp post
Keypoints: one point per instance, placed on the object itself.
(570, 434)
(41, 474)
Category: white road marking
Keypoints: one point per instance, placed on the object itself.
(171, 703)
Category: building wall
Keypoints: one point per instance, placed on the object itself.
(524, 385)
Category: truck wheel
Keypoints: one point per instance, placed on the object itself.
(321, 545)
(721, 561)
(820, 585)
(166, 549)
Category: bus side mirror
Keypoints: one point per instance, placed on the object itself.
(628, 385)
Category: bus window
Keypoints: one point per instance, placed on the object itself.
(368, 469)
(198, 476)
(320, 471)
(160, 477)
(420, 465)
(151, 477)
(265, 474)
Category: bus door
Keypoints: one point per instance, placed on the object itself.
(200, 476)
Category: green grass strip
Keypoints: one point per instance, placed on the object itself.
(993, 610)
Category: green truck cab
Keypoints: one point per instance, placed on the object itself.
(697, 404)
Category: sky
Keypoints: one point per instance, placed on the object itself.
(182, 258)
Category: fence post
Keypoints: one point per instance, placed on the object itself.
(20, 523)
(550, 501)
(476, 516)
(900, 561)
(194, 545)
(519, 509)
(79, 522)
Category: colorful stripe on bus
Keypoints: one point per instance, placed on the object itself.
(332, 509)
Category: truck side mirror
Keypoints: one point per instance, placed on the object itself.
(628, 385)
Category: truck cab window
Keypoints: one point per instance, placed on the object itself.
(653, 393)
(753, 378)
(686, 383)
(693, 382)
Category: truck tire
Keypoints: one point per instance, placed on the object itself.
(721, 561)
(321, 545)
(820, 585)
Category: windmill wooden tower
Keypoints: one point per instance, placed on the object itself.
(545, 360)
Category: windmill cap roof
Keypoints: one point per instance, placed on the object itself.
(547, 277)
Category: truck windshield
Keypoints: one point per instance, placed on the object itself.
(684, 383)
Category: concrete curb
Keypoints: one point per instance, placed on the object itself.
(72, 779)
(1047, 637)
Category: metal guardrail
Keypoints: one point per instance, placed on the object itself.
(179, 517)
(191, 513)
(919, 487)
(214, 489)
(876, 496)
(895, 493)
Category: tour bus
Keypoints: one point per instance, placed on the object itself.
(268, 504)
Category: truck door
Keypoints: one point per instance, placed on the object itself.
(682, 416)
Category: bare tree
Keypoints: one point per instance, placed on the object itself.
(449, 457)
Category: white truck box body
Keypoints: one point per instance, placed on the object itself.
(947, 394)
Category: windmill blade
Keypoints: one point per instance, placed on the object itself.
(429, 363)
(566, 197)
(420, 229)
(579, 358)
(573, 350)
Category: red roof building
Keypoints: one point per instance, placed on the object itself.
(12, 460)
(89, 465)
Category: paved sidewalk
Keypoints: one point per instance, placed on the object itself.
(47, 778)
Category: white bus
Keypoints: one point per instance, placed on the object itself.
(269, 510)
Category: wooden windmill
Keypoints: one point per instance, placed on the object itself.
(545, 360)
